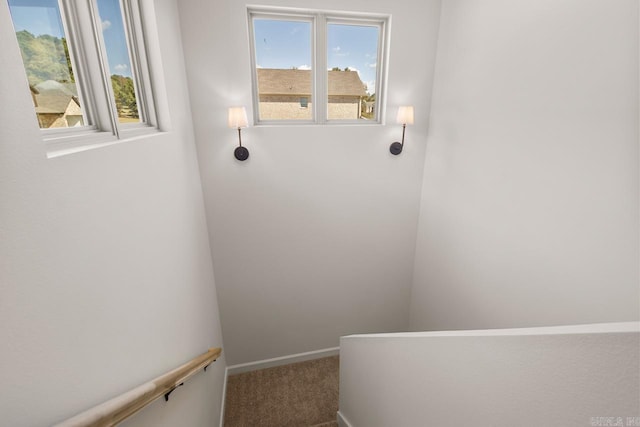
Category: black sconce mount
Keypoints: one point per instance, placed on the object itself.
(396, 147)
(241, 153)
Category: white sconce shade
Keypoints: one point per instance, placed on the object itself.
(405, 115)
(238, 120)
(238, 117)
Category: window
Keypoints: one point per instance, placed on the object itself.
(86, 68)
(283, 79)
(350, 88)
(48, 62)
(118, 60)
(317, 67)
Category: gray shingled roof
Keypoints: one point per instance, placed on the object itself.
(298, 82)
(53, 97)
(346, 83)
(56, 88)
(52, 104)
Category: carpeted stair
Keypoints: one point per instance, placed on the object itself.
(302, 394)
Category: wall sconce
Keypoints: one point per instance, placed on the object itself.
(238, 119)
(404, 117)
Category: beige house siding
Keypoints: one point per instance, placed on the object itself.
(344, 108)
(280, 92)
(73, 115)
(277, 107)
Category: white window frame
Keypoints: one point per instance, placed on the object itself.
(320, 19)
(82, 27)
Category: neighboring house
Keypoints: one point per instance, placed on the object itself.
(286, 94)
(57, 105)
(368, 107)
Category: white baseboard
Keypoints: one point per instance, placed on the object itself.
(342, 421)
(283, 360)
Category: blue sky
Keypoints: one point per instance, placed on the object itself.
(36, 16)
(43, 17)
(114, 37)
(355, 47)
(287, 44)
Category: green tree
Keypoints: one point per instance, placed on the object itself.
(125, 94)
(45, 58)
(66, 54)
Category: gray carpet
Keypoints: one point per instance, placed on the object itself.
(298, 395)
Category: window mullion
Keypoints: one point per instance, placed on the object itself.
(70, 21)
(126, 9)
(254, 76)
(105, 75)
(381, 71)
(320, 97)
(99, 74)
(140, 63)
(135, 43)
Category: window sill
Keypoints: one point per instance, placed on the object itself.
(331, 123)
(57, 147)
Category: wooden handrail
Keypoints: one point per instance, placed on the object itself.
(116, 410)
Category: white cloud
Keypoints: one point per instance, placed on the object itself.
(304, 67)
(105, 24)
(372, 65)
(121, 67)
(354, 69)
(337, 51)
(371, 86)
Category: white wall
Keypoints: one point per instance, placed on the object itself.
(106, 279)
(531, 377)
(529, 209)
(313, 237)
